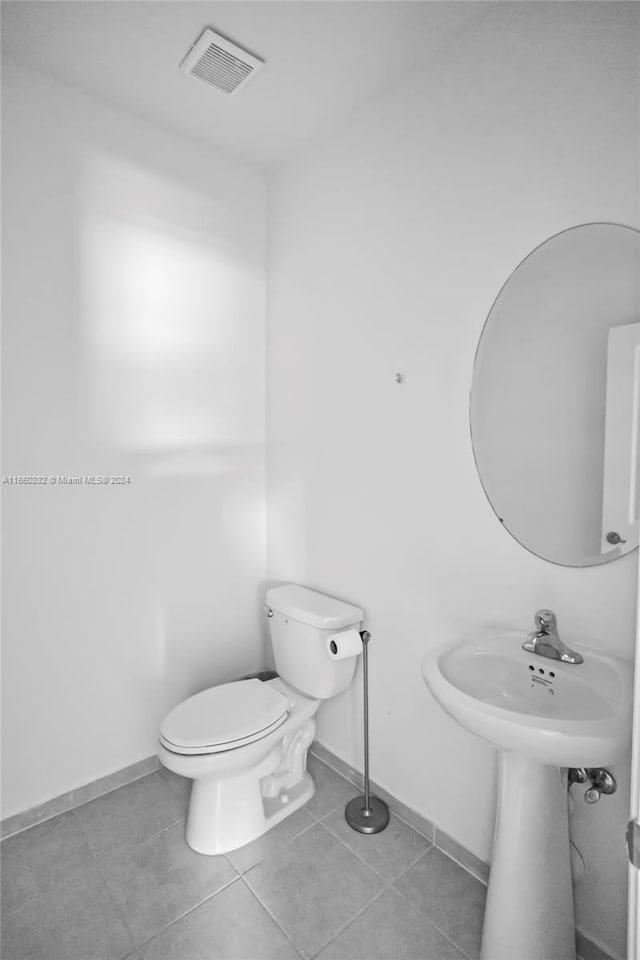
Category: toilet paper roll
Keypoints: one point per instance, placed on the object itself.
(343, 645)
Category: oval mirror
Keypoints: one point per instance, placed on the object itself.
(555, 401)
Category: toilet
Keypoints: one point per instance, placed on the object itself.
(244, 744)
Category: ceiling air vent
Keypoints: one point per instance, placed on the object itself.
(220, 63)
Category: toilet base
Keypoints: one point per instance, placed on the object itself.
(247, 820)
(228, 812)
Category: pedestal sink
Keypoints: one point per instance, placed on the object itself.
(544, 716)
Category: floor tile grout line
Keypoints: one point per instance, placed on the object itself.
(285, 843)
(147, 776)
(71, 800)
(264, 906)
(430, 847)
(134, 945)
(36, 823)
(355, 854)
(414, 863)
(113, 900)
(434, 846)
(191, 909)
(348, 923)
(320, 823)
(430, 840)
(371, 867)
(123, 847)
(394, 813)
(172, 923)
(433, 828)
(458, 863)
(301, 951)
(26, 904)
(353, 920)
(278, 925)
(308, 826)
(433, 924)
(119, 910)
(339, 806)
(173, 787)
(352, 783)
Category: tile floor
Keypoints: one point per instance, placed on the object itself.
(114, 878)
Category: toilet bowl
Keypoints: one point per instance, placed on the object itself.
(241, 791)
(244, 744)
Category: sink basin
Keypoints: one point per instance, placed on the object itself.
(568, 715)
(544, 716)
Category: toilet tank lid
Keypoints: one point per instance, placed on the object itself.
(312, 608)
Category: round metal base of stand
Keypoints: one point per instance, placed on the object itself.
(372, 820)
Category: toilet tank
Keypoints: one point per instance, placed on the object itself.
(301, 623)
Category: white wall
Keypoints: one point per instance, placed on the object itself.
(134, 310)
(387, 247)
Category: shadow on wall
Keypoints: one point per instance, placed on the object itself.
(167, 304)
(170, 381)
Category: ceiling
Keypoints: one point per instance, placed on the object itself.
(324, 59)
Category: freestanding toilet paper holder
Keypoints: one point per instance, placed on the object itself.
(366, 814)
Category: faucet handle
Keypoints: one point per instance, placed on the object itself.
(545, 620)
(577, 775)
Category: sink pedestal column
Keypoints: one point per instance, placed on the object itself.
(529, 912)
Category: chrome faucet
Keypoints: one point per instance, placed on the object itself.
(544, 640)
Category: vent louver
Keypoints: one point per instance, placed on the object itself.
(215, 60)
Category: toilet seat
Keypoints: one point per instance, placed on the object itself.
(224, 717)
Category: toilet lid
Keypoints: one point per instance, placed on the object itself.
(224, 717)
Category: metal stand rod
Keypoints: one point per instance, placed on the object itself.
(366, 814)
(366, 636)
